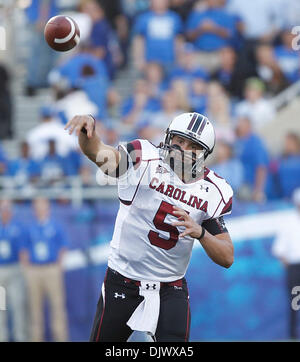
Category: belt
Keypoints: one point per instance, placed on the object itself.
(176, 283)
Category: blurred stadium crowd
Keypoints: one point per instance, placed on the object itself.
(225, 59)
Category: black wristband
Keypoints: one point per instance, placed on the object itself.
(202, 234)
(83, 129)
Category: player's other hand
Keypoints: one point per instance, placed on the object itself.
(192, 229)
(77, 122)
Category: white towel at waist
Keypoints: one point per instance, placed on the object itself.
(145, 316)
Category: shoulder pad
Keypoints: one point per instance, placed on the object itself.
(224, 190)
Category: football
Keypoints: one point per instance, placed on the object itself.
(62, 33)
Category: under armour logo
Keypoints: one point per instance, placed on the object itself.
(153, 286)
(117, 295)
(204, 188)
(161, 169)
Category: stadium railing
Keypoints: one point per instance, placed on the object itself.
(286, 96)
(69, 188)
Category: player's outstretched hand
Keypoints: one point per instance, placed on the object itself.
(77, 122)
(192, 229)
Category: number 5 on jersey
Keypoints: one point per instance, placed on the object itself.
(159, 222)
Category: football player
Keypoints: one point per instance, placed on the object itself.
(168, 199)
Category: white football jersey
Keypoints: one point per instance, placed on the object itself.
(145, 244)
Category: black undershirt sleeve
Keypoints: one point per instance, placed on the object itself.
(124, 163)
(215, 226)
(128, 159)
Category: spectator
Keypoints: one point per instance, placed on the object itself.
(43, 258)
(182, 7)
(180, 88)
(253, 155)
(6, 129)
(218, 110)
(131, 8)
(70, 71)
(112, 10)
(269, 70)
(3, 162)
(261, 22)
(42, 57)
(12, 236)
(102, 37)
(24, 169)
(287, 58)
(83, 21)
(157, 36)
(286, 248)
(112, 136)
(228, 166)
(134, 107)
(88, 172)
(187, 68)
(49, 129)
(154, 76)
(71, 101)
(96, 88)
(120, 23)
(54, 168)
(198, 96)
(288, 166)
(210, 29)
(232, 72)
(73, 163)
(261, 19)
(157, 124)
(259, 110)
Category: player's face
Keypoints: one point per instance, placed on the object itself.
(184, 157)
(186, 145)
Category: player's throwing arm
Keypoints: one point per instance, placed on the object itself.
(104, 156)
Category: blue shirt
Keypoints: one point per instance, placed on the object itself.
(289, 174)
(198, 102)
(224, 77)
(152, 105)
(24, 168)
(45, 241)
(53, 167)
(71, 69)
(211, 41)
(74, 163)
(289, 62)
(252, 153)
(232, 171)
(12, 240)
(3, 158)
(96, 88)
(188, 75)
(103, 36)
(33, 10)
(159, 31)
